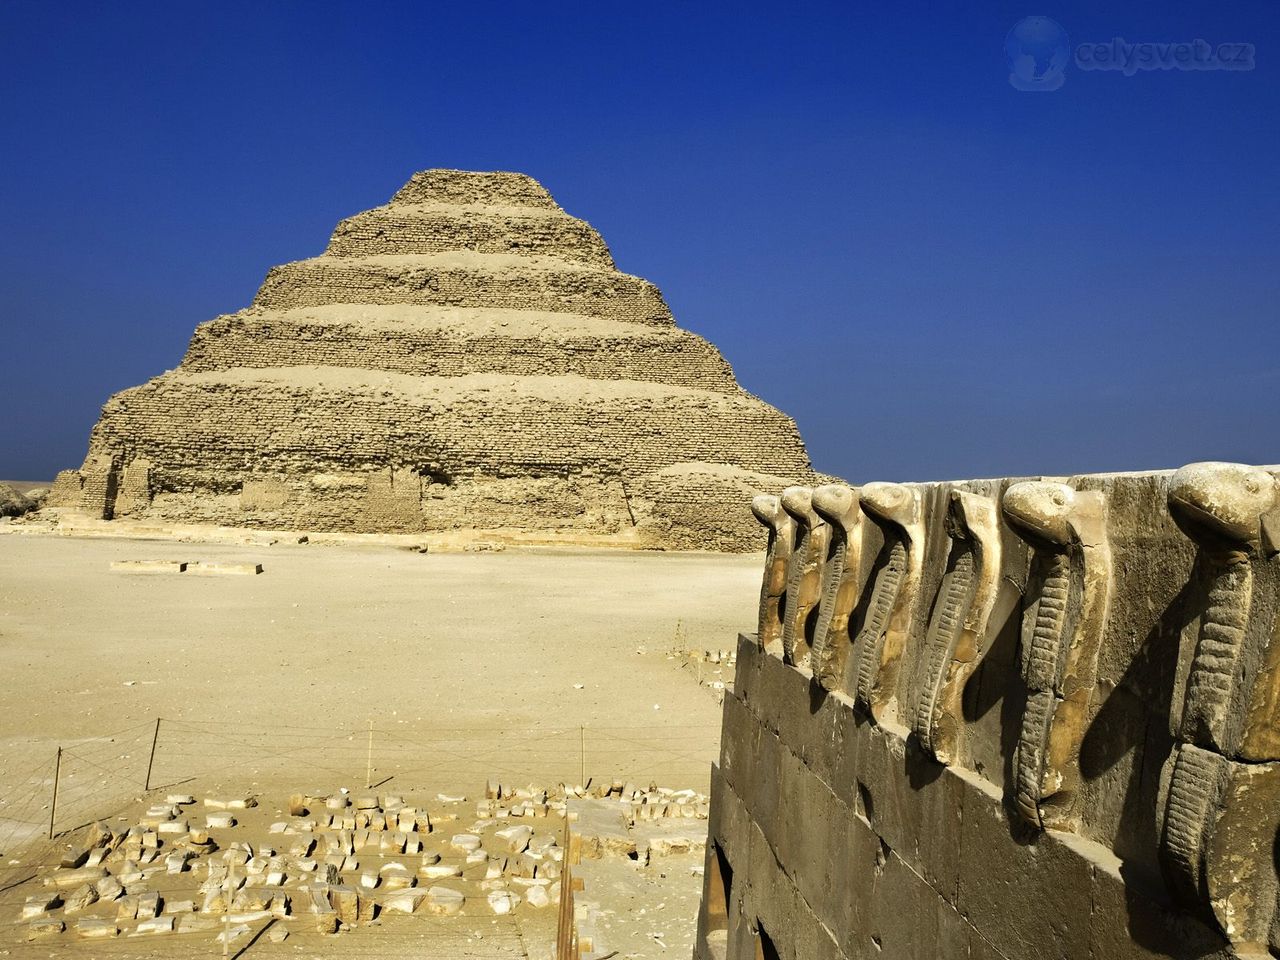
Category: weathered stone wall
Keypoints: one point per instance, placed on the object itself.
(470, 188)
(1039, 720)
(421, 228)
(669, 505)
(452, 342)
(465, 280)
(466, 356)
(305, 426)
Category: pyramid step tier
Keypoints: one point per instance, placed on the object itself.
(306, 420)
(425, 229)
(465, 279)
(451, 342)
(471, 188)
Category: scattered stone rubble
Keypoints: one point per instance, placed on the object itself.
(712, 668)
(335, 862)
(14, 503)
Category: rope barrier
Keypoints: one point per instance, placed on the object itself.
(184, 749)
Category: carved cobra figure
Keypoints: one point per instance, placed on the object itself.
(898, 511)
(773, 591)
(1222, 808)
(1061, 635)
(957, 634)
(804, 574)
(839, 506)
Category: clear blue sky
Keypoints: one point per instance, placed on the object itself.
(936, 274)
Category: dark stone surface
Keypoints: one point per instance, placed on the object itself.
(846, 840)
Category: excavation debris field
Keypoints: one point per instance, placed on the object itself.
(426, 675)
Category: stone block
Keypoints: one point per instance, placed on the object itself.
(96, 929)
(444, 901)
(439, 871)
(912, 802)
(402, 901)
(346, 902)
(208, 568)
(108, 889)
(70, 879)
(154, 925)
(46, 927)
(1023, 891)
(502, 901)
(39, 905)
(466, 842)
(148, 566)
(537, 897)
(515, 839)
(148, 905)
(127, 907)
(1134, 920)
(80, 898)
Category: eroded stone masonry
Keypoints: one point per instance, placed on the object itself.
(1022, 718)
(466, 356)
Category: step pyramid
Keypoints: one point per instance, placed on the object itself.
(467, 356)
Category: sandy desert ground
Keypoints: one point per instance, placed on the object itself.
(525, 665)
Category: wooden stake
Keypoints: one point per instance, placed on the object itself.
(226, 916)
(582, 755)
(53, 805)
(368, 770)
(155, 738)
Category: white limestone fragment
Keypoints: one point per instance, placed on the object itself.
(403, 901)
(516, 838)
(502, 901)
(153, 926)
(439, 871)
(537, 897)
(96, 929)
(444, 901)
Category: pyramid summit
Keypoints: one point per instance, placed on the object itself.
(466, 356)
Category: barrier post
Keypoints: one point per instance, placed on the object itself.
(155, 738)
(53, 805)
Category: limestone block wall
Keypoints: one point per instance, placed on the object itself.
(473, 441)
(471, 188)
(452, 342)
(465, 280)
(290, 418)
(675, 505)
(1012, 718)
(423, 228)
(466, 356)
